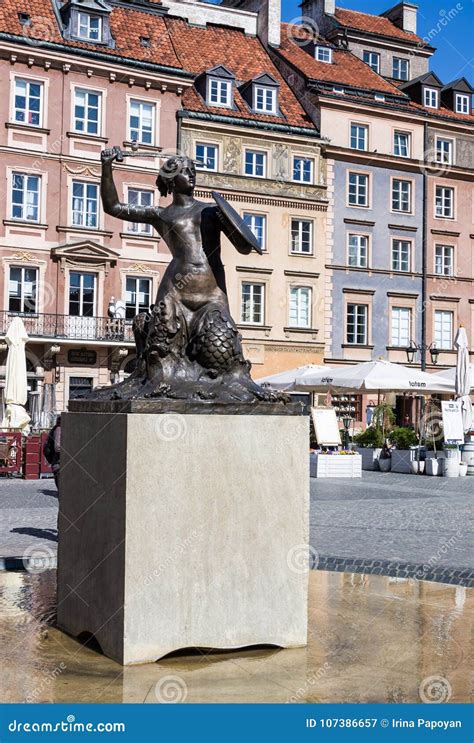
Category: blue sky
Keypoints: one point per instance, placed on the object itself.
(453, 40)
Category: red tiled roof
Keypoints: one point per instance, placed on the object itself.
(126, 25)
(200, 49)
(173, 43)
(345, 69)
(373, 24)
(443, 112)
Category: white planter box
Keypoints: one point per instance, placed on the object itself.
(332, 465)
(369, 457)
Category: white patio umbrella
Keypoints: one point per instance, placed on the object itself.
(285, 381)
(463, 381)
(450, 374)
(372, 377)
(16, 390)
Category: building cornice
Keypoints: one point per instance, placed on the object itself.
(393, 162)
(390, 111)
(369, 271)
(63, 53)
(248, 198)
(235, 121)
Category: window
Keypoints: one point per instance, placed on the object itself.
(401, 326)
(444, 202)
(301, 236)
(87, 111)
(400, 69)
(358, 189)
(89, 27)
(264, 99)
(430, 97)
(219, 92)
(137, 296)
(462, 104)
(444, 151)
(252, 308)
(300, 307)
(443, 331)
(379, 97)
(255, 163)
(85, 203)
(338, 89)
(401, 255)
(25, 197)
(22, 289)
(80, 387)
(257, 223)
(303, 168)
(444, 260)
(358, 250)
(82, 288)
(359, 137)
(138, 197)
(401, 196)
(28, 105)
(373, 60)
(142, 122)
(401, 144)
(323, 54)
(206, 156)
(357, 315)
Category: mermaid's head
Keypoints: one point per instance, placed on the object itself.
(177, 175)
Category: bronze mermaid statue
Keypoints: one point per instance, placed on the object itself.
(188, 346)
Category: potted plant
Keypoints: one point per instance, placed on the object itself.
(370, 442)
(405, 443)
(369, 445)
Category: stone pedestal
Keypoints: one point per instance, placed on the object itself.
(181, 531)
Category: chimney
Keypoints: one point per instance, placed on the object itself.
(269, 17)
(403, 15)
(316, 8)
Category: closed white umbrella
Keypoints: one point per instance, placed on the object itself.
(16, 390)
(463, 381)
(285, 381)
(371, 377)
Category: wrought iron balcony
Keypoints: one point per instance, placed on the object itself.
(67, 327)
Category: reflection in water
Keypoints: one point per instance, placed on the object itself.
(371, 639)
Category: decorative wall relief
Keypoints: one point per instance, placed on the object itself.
(232, 155)
(281, 160)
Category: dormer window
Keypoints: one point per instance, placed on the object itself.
(462, 104)
(219, 92)
(261, 94)
(87, 20)
(264, 99)
(89, 27)
(338, 89)
(379, 97)
(430, 97)
(323, 54)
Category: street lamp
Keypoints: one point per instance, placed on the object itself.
(346, 422)
(413, 347)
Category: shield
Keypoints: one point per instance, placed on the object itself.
(236, 230)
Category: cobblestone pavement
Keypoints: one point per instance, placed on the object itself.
(402, 525)
(28, 516)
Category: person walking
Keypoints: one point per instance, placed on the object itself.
(52, 449)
